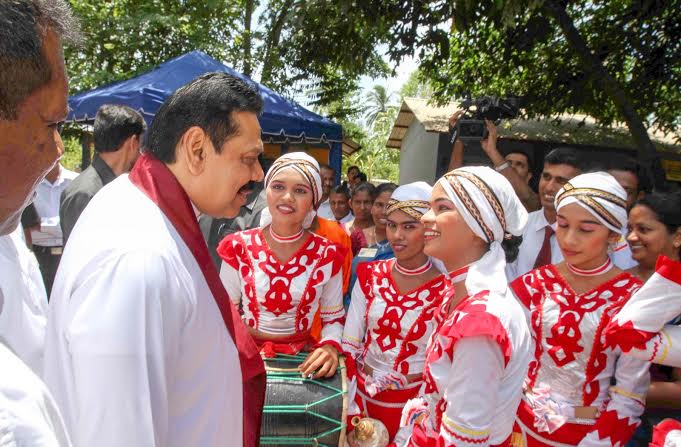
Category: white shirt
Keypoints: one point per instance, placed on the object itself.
(23, 301)
(28, 413)
(137, 352)
(348, 218)
(47, 205)
(533, 238)
(324, 210)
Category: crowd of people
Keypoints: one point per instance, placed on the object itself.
(472, 312)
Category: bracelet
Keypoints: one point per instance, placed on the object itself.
(502, 166)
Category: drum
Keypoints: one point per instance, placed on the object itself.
(300, 411)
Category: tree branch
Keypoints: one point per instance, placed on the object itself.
(646, 149)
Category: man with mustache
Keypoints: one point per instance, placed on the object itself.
(33, 103)
(144, 347)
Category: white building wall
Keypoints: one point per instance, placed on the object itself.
(418, 156)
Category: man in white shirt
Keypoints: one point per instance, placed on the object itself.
(47, 239)
(23, 301)
(627, 172)
(33, 103)
(328, 179)
(539, 246)
(144, 346)
(340, 205)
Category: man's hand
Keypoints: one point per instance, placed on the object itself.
(489, 143)
(454, 118)
(322, 362)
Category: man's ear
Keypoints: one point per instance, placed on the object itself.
(191, 150)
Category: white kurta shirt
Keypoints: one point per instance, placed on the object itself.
(47, 205)
(138, 353)
(28, 413)
(23, 301)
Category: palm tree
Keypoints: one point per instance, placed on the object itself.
(378, 102)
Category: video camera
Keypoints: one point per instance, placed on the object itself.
(471, 125)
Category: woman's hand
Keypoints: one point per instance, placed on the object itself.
(322, 362)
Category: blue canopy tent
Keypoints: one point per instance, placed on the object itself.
(283, 121)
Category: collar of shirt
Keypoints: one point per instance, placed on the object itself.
(64, 174)
(539, 222)
(255, 197)
(103, 170)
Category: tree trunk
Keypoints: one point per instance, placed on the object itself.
(247, 44)
(647, 152)
(273, 40)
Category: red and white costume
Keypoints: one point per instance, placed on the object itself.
(578, 391)
(478, 355)
(388, 331)
(640, 328)
(572, 367)
(282, 298)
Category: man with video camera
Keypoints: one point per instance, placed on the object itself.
(488, 142)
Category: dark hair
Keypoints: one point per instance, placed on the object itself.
(384, 187)
(325, 166)
(563, 156)
(364, 186)
(341, 189)
(362, 177)
(628, 164)
(24, 66)
(208, 102)
(511, 249)
(350, 168)
(666, 206)
(528, 157)
(114, 124)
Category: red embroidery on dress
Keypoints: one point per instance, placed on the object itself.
(618, 429)
(532, 299)
(420, 326)
(388, 330)
(239, 260)
(278, 299)
(599, 356)
(248, 247)
(566, 334)
(323, 256)
(546, 287)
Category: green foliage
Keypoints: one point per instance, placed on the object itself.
(377, 103)
(515, 47)
(124, 37)
(296, 46)
(417, 86)
(72, 153)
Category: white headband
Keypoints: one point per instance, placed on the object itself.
(412, 198)
(487, 202)
(601, 195)
(306, 166)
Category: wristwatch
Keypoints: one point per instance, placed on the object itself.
(502, 166)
